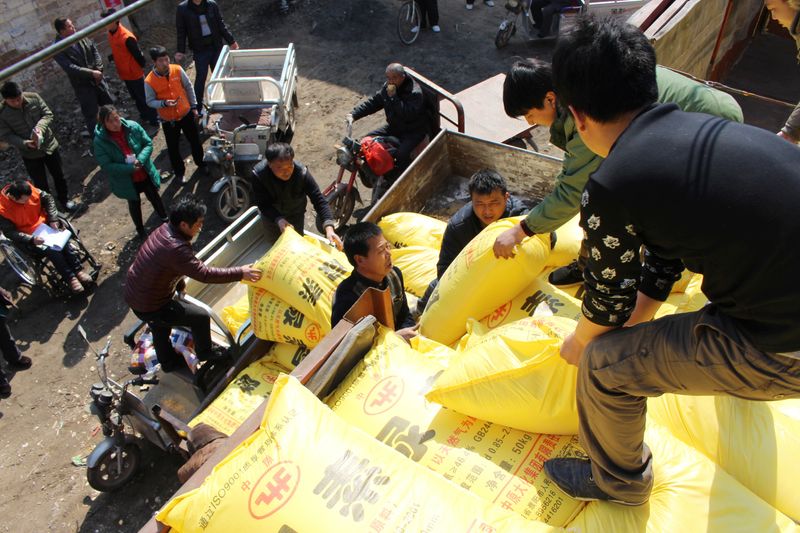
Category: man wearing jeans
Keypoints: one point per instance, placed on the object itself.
(698, 191)
(158, 272)
(201, 22)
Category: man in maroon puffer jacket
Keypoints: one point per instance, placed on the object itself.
(157, 273)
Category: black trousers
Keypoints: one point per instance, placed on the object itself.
(543, 12)
(402, 158)
(177, 313)
(90, 99)
(7, 343)
(37, 169)
(135, 206)
(429, 11)
(172, 136)
(136, 90)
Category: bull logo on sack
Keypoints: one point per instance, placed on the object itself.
(384, 395)
(273, 489)
(405, 438)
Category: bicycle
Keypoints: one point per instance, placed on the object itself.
(409, 21)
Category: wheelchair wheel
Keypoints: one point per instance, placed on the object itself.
(22, 265)
(408, 20)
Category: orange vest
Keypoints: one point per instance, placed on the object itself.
(127, 67)
(169, 88)
(26, 217)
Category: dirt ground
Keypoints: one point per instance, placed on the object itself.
(343, 47)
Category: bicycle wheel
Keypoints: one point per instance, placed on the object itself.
(408, 21)
(20, 264)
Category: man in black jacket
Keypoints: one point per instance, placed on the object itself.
(371, 256)
(490, 201)
(699, 191)
(201, 22)
(8, 346)
(84, 68)
(403, 102)
(281, 189)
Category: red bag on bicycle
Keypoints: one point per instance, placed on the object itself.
(377, 155)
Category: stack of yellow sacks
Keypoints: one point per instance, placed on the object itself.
(481, 416)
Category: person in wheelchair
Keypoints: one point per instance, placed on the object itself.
(158, 272)
(23, 209)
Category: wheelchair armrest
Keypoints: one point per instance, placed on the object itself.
(130, 336)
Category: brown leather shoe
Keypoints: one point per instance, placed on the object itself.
(23, 363)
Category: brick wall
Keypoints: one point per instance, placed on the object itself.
(27, 26)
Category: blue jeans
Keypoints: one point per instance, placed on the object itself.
(203, 60)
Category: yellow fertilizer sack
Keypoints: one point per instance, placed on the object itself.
(306, 470)
(536, 300)
(287, 356)
(756, 444)
(691, 298)
(412, 229)
(302, 275)
(513, 375)
(690, 494)
(418, 265)
(275, 320)
(241, 397)
(568, 243)
(235, 315)
(477, 282)
(384, 395)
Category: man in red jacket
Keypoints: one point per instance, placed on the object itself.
(158, 272)
(130, 63)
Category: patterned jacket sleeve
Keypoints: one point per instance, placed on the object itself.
(614, 272)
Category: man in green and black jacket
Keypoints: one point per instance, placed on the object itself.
(529, 92)
(26, 124)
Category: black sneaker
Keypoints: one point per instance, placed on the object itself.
(566, 276)
(23, 363)
(574, 477)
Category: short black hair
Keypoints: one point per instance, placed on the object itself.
(527, 83)
(158, 51)
(108, 12)
(104, 112)
(356, 240)
(187, 208)
(278, 151)
(19, 188)
(486, 181)
(604, 68)
(60, 23)
(10, 90)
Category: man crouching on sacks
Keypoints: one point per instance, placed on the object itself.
(695, 190)
(370, 253)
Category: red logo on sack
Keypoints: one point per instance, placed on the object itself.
(312, 332)
(273, 489)
(499, 315)
(384, 395)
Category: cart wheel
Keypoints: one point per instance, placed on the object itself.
(504, 34)
(232, 200)
(342, 205)
(408, 19)
(21, 265)
(113, 471)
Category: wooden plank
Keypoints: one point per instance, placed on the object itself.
(484, 115)
(648, 14)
